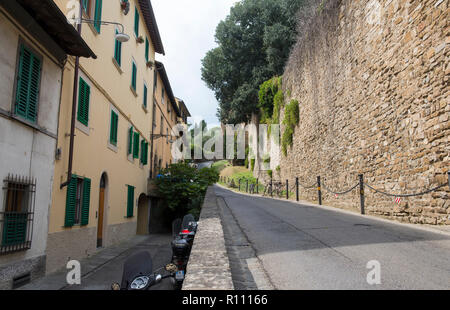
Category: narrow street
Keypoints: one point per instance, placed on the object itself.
(308, 247)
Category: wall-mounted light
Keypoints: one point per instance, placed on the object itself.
(121, 36)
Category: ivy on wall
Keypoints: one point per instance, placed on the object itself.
(291, 119)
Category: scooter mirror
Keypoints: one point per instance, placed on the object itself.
(115, 287)
(158, 278)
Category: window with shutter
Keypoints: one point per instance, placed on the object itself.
(136, 145)
(145, 95)
(71, 200)
(118, 51)
(136, 22)
(86, 202)
(134, 76)
(147, 47)
(130, 140)
(84, 92)
(113, 128)
(130, 201)
(98, 15)
(28, 84)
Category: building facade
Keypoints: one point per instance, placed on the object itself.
(107, 193)
(34, 52)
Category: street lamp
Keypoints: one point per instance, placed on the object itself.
(120, 36)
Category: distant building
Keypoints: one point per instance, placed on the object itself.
(36, 40)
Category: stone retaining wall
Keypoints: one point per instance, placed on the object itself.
(372, 80)
(209, 267)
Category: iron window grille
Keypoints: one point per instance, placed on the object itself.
(16, 219)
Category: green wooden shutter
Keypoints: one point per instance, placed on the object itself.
(130, 141)
(71, 199)
(145, 156)
(145, 95)
(28, 84)
(84, 93)
(136, 22)
(98, 15)
(113, 128)
(14, 228)
(136, 145)
(118, 51)
(130, 201)
(134, 76)
(86, 202)
(147, 46)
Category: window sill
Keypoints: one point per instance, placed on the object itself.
(113, 147)
(116, 64)
(133, 91)
(83, 128)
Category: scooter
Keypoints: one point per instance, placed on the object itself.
(138, 273)
(183, 233)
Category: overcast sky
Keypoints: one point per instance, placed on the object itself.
(187, 31)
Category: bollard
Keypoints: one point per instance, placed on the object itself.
(287, 189)
(361, 192)
(257, 185)
(239, 184)
(319, 190)
(247, 187)
(296, 188)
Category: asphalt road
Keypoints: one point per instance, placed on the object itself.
(308, 247)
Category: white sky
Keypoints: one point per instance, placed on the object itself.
(187, 31)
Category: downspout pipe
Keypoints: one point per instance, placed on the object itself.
(74, 109)
(153, 128)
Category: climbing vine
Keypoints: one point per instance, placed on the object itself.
(291, 119)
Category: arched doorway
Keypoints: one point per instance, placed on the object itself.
(101, 210)
(143, 215)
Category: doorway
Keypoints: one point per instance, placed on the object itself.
(101, 211)
(143, 215)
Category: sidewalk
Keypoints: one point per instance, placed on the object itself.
(99, 271)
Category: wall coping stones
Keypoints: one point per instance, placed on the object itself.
(209, 266)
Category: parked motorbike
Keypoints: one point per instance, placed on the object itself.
(138, 273)
(183, 236)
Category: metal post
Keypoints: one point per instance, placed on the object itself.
(296, 188)
(287, 189)
(319, 190)
(246, 189)
(239, 184)
(361, 192)
(257, 185)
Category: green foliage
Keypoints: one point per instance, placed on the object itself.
(254, 42)
(270, 173)
(266, 160)
(291, 119)
(267, 92)
(278, 168)
(252, 164)
(220, 165)
(183, 187)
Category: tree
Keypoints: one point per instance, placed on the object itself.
(254, 44)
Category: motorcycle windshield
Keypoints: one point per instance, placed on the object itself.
(188, 218)
(136, 265)
(176, 227)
